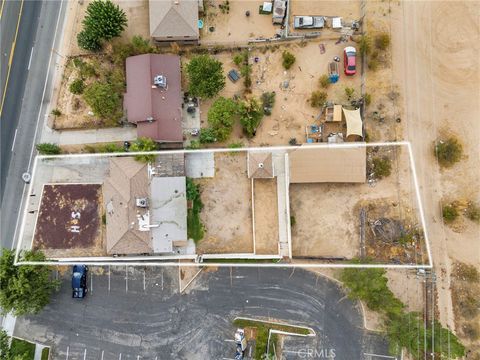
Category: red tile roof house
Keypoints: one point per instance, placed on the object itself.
(153, 100)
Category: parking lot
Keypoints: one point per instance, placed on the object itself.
(137, 313)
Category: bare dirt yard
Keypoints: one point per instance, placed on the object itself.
(291, 113)
(266, 216)
(232, 26)
(227, 207)
(326, 217)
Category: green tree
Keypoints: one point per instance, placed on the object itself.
(103, 100)
(104, 20)
(205, 76)
(288, 59)
(5, 353)
(77, 86)
(208, 136)
(318, 98)
(221, 117)
(48, 149)
(25, 289)
(144, 144)
(251, 114)
(448, 152)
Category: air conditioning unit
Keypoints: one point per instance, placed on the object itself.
(142, 202)
(160, 81)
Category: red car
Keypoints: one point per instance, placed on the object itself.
(349, 60)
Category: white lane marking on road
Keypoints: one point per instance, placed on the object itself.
(102, 355)
(14, 138)
(229, 340)
(138, 357)
(68, 349)
(162, 279)
(85, 354)
(120, 356)
(143, 279)
(30, 61)
(380, 356)
(91, 283)
(108, 277)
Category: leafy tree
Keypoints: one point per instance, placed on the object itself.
(251, 113)
(137, 46)
(449, 213)
(318, 98)
(104, 20)
(221, 117)
(382, 167)
(5, 352)
(288, 59)
(195, 228)
(268, 100)
(103, 100)
(48, 149)
(77, 86)
(448, 152)
(370, 285)
(205, 75)
(208, 136)
(144, 144)
(25, 289)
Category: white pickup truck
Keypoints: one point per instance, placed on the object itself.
(308, 22)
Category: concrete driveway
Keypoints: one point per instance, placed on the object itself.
(139, 314)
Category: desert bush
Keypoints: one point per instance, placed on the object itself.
(471, 331)
(77, 86)
(372, 64)
(365, 45)
(448, 152)
(466, 272)
(56, 112)
(251, 114)
(382, 167)
(318, 98)
(367, 98)
(48, 149)
(268, 100)
(473, 212)
(469, 306)
(349, 92)
(324, 81)
(382, 41)
(449, 213)
(288, 59)
(103, 100)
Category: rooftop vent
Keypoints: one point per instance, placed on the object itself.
(260, 165)
(141, 202)
(160, 81)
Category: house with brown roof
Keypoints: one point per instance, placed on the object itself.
(146, 210)
(174, 21)
(153, 100)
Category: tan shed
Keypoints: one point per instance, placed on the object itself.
(321, 164)
(354, 122)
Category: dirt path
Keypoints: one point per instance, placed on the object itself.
(436, 66)
(266, 216)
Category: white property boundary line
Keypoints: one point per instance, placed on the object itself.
(168, 260)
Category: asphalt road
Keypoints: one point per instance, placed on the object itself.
(127, 317)
(22, 103)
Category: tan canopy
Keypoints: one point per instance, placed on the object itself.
(354, 122)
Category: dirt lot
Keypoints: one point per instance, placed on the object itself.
(227, 210)
(234, 26)
(429, 58)
(317, 209)
(266, 216)
(291, 112)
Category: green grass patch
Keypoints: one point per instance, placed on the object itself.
(45, 353)
(263, 329)
(195, 228)
(24, 349)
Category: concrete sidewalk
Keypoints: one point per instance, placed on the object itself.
(78, 137)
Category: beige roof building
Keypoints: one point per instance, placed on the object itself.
(174, 20)
(127, 181)
(260, 165)
(315, 164)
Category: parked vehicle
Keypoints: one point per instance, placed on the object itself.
(308, 22)
(79, 281)
(349, 60)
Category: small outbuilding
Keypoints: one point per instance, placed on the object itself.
(260, 165)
